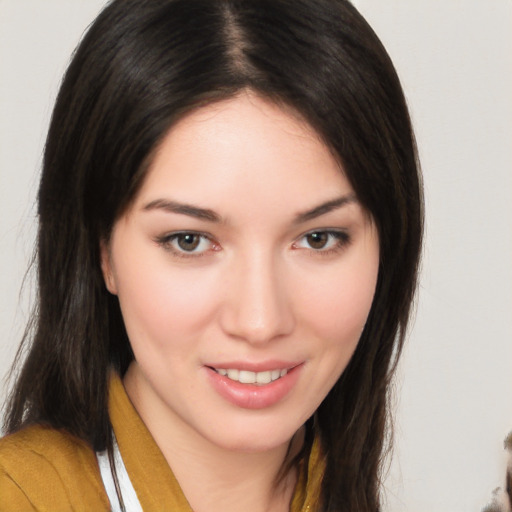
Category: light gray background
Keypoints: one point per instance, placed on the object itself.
(455, 383)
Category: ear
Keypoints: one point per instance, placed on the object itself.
(106, 267)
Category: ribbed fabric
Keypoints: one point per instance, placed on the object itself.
(46, 470)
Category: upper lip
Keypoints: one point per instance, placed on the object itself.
(262, 366)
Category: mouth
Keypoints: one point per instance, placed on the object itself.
(254, 385)
(249, 377)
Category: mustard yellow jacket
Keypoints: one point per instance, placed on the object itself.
(46, 470)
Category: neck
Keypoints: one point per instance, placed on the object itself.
(219, 480)
(216, 479)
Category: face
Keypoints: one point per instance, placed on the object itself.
(245, 270)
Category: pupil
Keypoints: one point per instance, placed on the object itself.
(317, 240)
(188, 242)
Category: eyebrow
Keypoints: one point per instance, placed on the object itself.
(324, 208)
(211, 216)
(183, 209)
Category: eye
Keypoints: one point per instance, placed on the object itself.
(189, 242)
(322, 241)
(186, 243)
(317, 240)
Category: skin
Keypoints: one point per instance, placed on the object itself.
(258, 288)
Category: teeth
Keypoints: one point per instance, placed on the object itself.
(263, 377)
(247, 377)
(233, 374)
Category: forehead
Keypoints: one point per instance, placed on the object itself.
(243, 145)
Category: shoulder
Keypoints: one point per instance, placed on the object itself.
(41, 466)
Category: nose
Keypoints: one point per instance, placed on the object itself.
(257, 306)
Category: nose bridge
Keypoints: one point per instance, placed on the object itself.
(258, 307)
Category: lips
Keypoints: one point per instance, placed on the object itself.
(254, 386)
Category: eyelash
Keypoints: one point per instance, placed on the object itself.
(166, 241)
(340, 239)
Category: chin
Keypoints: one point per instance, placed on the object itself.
(253, 440)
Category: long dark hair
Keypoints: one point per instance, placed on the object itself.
(142, 65)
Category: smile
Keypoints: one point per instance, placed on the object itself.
(248, 377)
(254, 385)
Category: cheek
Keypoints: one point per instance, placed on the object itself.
(159, 304)
(338, 306)
(335, 314)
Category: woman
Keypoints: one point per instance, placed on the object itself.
(230, 222)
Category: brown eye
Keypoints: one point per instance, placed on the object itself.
(317, 240)
(323, 242)
(188, 241)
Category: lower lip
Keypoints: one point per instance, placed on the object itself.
(252, 396)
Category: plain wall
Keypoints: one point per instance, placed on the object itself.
(455, 62)
(454, 390)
